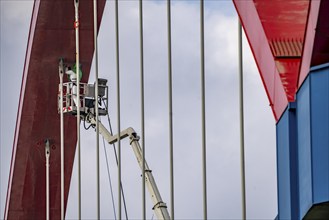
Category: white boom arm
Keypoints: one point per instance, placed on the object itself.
(160, 208)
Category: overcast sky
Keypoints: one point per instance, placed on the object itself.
(224, 194)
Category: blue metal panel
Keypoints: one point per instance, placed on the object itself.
(304, 148)
(283, 167)
(293, 154)
(320, 134)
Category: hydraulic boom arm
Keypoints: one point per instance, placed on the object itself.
(160, 208)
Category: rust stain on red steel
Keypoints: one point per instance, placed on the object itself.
(51, 36)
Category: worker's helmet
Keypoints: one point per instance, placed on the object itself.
(75, 71)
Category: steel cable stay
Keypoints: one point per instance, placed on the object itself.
(110, 181)
(121, 134)
(203, 111)
(77, 60)
(241, 115)
(96, 110)
(142, 103)
(117, 55)
(108, 166)
(116, 159)
(170, 109)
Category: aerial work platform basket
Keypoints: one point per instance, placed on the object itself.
(86, 98)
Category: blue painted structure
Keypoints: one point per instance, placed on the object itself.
(303, 147)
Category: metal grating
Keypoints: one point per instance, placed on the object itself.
(286, 47)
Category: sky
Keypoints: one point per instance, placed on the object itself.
(222, 108)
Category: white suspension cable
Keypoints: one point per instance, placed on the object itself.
(171, 147)
(142, 103)
(110, 181)
(76, 26)
(118, 103)
(203, 112)
(61, 74)
(47, 154)
(242, 157)
(116, 158)
(96, 110)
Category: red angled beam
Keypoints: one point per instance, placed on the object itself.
(276, 33)
(51, 37)
(315, 52)
(319, 31)
(262, 53)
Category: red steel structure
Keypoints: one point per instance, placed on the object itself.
(290, 43)
(287, 37)
(51, 37)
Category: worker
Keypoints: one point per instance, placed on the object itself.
(73, 78)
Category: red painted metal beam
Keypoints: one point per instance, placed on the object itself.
(262, 53)
(309, 40)
(320, 13)
(51, 37)
(276, 33)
